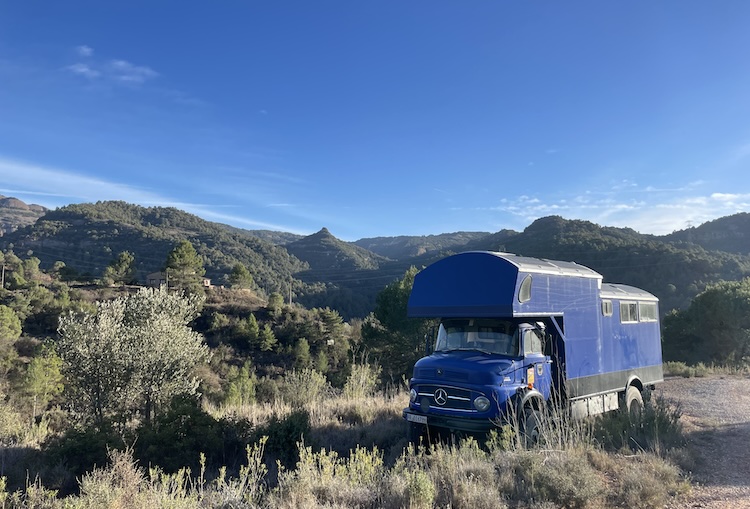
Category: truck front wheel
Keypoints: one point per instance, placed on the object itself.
(531, 427)
(415, 434)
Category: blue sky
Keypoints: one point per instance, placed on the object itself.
(381, 118)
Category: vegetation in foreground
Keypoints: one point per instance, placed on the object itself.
(347, 450)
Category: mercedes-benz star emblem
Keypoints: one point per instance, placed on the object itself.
(441, 397)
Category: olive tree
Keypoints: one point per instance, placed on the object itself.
(132, 355)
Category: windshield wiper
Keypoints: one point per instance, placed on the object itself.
(486, 352)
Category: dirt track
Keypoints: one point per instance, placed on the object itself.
(716, 417)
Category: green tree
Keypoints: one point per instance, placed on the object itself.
(44, 380)
(133, 355)
(10, 331)
(302, 357)
(121, 270)
(14, 272)
(31, 268)
(10, 324)
(715, 328)
(267, 339)
(275, 304)
(389, 335)
(251, 330)
(241, 386)
(240, 277)
(184, 267)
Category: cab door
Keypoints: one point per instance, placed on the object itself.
(537, 365)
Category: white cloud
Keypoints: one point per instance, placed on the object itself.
(645, 214)
(124, 71)
(726, 197)
(84, 51)
(54, 187)
(84, 70)
(115, 71)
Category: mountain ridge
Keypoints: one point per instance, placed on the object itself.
(321, 270)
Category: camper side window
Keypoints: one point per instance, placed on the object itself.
(628, 312)
(647, 311)
(607, 307)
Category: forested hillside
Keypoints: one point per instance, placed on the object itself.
(398, 248)
(321, 270)
(87, 237)
(730, 234)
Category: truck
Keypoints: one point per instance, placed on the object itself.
(518, 335)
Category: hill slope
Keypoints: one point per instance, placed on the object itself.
(398, 248)
(730, 234)
(15, 214)
(325, 253)
(88, 236)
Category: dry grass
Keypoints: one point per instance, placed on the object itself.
(355, 456)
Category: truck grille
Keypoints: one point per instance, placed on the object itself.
(445, 397)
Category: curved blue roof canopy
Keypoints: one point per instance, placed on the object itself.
(480, 283)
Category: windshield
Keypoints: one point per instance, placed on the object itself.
(484, 335)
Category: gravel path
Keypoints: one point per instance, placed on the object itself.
(716, 418)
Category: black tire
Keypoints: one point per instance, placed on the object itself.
(415, 434)
(634, 404)
(531, 430)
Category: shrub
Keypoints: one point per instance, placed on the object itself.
(658, 429)
(185, 432)
(284, 434)
(304, 387)
(362, 381)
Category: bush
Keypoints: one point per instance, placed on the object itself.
(284, 434)
(675, 368)
(304, 387)
(362, 381)
(658, 429)
(179, 437)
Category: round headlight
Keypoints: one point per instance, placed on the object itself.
(482, 404)
(412, 395)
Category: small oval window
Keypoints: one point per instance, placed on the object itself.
(524, 292)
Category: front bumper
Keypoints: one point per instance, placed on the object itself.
(464, 424)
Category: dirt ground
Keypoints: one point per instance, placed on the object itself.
(716, 417)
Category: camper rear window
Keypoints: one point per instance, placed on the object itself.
(628, 312)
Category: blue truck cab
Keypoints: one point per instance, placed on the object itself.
(517, 334)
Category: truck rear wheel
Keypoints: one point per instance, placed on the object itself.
(634, 403)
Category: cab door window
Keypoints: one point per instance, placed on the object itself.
(532, 342)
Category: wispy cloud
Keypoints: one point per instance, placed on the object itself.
(113, 70)
(84, 51)
(740, 153)
(84, 70)
(122, 70)
(55, 187)
(652, 212)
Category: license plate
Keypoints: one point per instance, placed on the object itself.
(421, 419)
